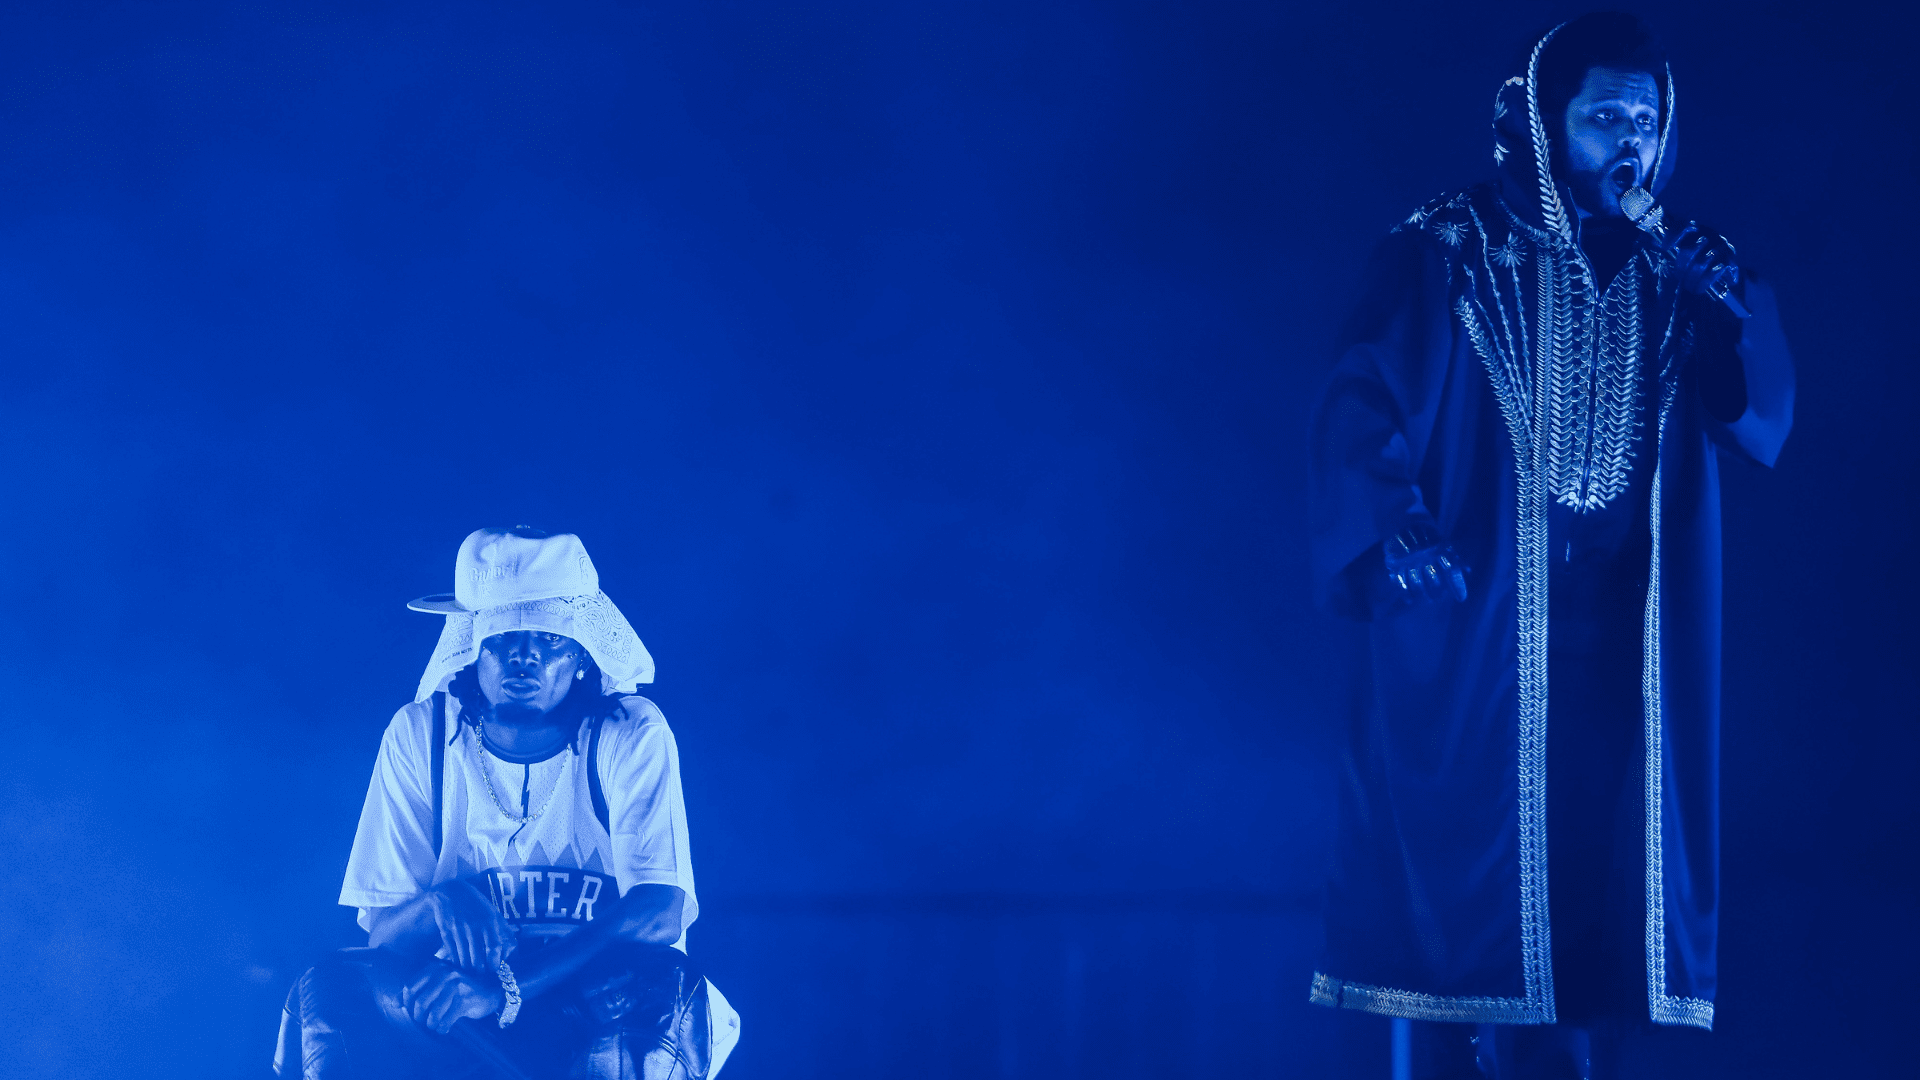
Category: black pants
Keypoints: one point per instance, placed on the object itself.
(1511, 1052)
(1602, 1050)
(632, 1011)
(1596, 832)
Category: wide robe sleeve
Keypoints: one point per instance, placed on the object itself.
(1376, 415)
(1743, 374)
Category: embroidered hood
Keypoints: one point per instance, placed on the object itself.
(1522, 146)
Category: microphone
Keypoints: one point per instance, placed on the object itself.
(1637, 203)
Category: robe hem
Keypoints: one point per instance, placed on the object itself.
(1682, 1012)
(1412, 1005)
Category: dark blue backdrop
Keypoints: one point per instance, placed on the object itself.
(928, 382)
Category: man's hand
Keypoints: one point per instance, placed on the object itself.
(1422, 567)
(1706, 261)
(477, 937)
(443, 994)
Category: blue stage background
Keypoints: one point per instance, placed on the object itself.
(929, 383)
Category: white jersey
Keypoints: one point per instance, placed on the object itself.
(553, 873)
(546, 875)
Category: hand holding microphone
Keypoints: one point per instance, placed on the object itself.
(1705, 258)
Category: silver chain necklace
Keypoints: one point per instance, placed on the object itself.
(486, 774)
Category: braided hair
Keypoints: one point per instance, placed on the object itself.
(585, 700)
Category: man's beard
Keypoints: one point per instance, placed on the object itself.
(517, 713)
(1591, 191)
(1594, 192)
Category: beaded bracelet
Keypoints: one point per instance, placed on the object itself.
(511, 989)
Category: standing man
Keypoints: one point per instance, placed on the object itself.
(521, 865)
(1515, 480)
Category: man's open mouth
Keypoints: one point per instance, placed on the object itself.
(1624, 173)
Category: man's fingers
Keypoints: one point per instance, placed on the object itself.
(420, 999)
(1454, 581)
(448, 1010)
(1693, 245)
(445, 926)
(436, 1000)
(453, 934)
(440, 1014)
(418, 987)
(1434, 581)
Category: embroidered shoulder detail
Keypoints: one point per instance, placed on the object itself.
(1452, 218)
(1418, 219)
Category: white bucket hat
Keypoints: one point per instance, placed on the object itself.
(516, 579)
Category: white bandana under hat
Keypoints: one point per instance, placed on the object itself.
(504, 581)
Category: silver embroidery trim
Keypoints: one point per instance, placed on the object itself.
(1508, 255)
(1530, 578)
(1523, 394)
(1666, 132)
(1570, 368)
(1617, 388)
(1552, 212)
(1597, 380)
(1662, 1007)
(1386, 1001)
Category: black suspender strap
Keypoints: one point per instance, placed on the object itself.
(440, 741)
(593, 774)
(439, 706)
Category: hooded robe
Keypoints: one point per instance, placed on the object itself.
(1492, 383)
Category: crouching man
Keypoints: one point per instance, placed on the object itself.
(521, 865)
